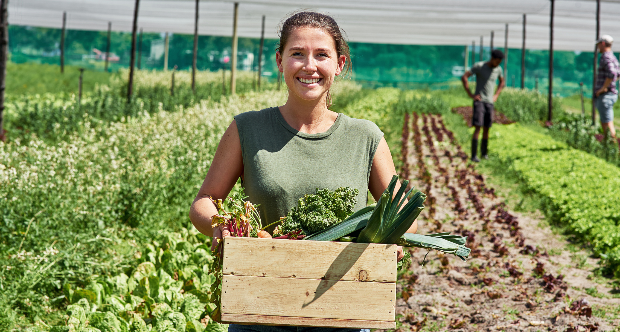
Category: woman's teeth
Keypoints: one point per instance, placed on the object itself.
(309, 80)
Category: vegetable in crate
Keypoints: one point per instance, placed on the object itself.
(388, 221)
(319, 211)
(239, 215)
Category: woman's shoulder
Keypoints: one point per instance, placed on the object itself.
(361, 126)
(250, 116)
(254, 120)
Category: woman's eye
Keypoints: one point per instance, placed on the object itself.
(323, 55)
(296, 54)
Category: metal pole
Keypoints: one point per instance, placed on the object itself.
(481, 49)
(594, 61)
(195, 58)
(523, 57)
(62, 42)
(140, 50)
(466, 58)
(4, 42)
(492, 36)
(473, 52)
(80, 86)
(107, 48)
(583, 107)
(133, 51)
(260, 50)
(506, 52)
(550, 96)
(166, 44)
(233, 60)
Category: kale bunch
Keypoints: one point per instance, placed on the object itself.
(319, 211)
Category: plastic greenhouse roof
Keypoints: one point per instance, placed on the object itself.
(429, 22)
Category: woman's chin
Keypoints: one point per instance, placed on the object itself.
(310, 97)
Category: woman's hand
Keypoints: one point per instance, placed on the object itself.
(219, 233)
(399, 253)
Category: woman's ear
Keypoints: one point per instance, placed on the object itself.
(341, 61)
(279, 61)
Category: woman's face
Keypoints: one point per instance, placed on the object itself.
(309, 63)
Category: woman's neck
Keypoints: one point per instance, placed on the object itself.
(310, 117)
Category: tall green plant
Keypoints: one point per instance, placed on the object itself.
(526, 105)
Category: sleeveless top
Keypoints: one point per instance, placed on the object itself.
(281, 164)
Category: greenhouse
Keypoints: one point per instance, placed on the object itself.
(163, 168)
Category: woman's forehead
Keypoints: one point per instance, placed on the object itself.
(303, 37)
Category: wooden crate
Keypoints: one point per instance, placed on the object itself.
(308, 283)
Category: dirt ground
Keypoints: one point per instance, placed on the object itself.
(520, 275)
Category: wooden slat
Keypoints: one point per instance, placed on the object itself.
(304, 321)
(310, 298)
(310, 259)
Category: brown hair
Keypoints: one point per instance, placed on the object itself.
(316, 20)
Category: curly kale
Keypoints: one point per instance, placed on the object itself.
(319, 211)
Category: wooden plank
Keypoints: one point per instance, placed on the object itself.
(310, 259)
(311, 298)
(304, 321)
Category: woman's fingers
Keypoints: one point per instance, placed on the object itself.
(225, 230)
(217, 236)
(400, 253)
(219, 233)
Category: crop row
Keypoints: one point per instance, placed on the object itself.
(486, 224)
(83, 206)
(579, 189)
(577, 132)
(56, 117)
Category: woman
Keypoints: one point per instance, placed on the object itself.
(282, 153)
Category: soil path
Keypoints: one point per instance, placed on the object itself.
(520, 276)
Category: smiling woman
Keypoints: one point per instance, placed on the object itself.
(283, 153)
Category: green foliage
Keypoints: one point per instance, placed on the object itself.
(526, 105)
(33, 78)
(150, 296)
(577, 131)
(316, 212)
(579, 190)
(412, 101)
(353, 223)
(55, 117)
(84, 207)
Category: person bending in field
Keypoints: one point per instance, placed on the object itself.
(484, 97)
(284, 152)
(606, 93)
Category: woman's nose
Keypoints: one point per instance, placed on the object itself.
(310, 64)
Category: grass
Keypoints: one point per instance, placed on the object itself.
(593, 291)
(33, 78)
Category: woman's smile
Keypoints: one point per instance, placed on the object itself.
(309, 81)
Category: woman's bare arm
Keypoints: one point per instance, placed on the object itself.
(381, 174)
(226, 168)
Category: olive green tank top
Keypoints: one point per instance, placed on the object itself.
(281, 164)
